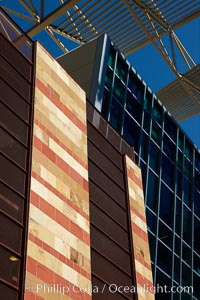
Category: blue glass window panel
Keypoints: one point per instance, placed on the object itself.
(169, 148)
(157, 112)
(156, 133)
(180, 140)
(196, 285)
(196, 235)
(151, 221)
(166, 205)
(165, 235)
(178, 216)
(164, 259)
(170, 128)
(121, 69)
(136, 87)
(152, 243)
(197, 180)
(134, 107)
(187, 193)
(106, 103)
(116, 114)
(154, 157)
(144, 146)
(119, 90)
(131, 132)
(146, 122)
(176, 268)
(187, 225)
(186, 253)
(197, 202)
(186, 276)
(109, 78)
(188, 150)
(152, 192)
(111, 58)
(148, 101)
(168, 171)
(197, 264)
(197, 161)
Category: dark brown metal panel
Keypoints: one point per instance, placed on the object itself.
(16, 115)
(14, 101)
(111, 251)
(16, 59)
(107, 184)
(105, 164)
(107, 204)
(100, 142)
(15, 79)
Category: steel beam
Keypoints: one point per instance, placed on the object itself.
(46, 21)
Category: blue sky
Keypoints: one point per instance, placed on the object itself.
(146, 61)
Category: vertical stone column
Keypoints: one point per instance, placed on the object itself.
(58, 256)
(142, 262)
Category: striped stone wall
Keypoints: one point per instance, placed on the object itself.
(142, 260)
(58, 258)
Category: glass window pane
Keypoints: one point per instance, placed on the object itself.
(134, 108)
(109, 78)
(156, 133)
(143, 167)
(152, 243)
(122, 69)
(188, 169)
(197, 202)
(166, 205)
(11, 203)
(13, 239)
(146, 122)
(187, 193)
(164, 258)
(14, 125)
(188, 150)
(10, 147)
(197, 263)
(177, 247)
(151, 221)
(168, 171)
(196, 285)
(12, 175)
(197, 160)
(154, 157)
(119, 90)
(196, 235)
(177, 268)
(180, 160)
(144, 146)
(148, 101)
(116, 113)
(178, 217)
(131, 132)
(106, 103)
(170, 128)
(186, 254)
(197, 179)
(136, 87)
(10, 266)
(165, 235)
(179, 183)
(169, 148)
(162, 280)
(187, 225)
(180, 140)
(111, 58)
(157, 112)
(152, 191)
(186, 275)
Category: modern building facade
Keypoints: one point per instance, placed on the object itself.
(169, 161)
(73, 222)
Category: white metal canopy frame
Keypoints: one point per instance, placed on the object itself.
(131, 24)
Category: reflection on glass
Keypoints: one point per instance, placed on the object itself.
(116, 113)
(152, 191)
